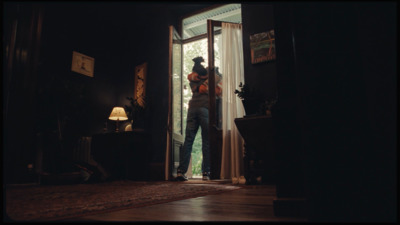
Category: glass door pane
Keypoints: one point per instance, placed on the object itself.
(177, 88)
(175, 121)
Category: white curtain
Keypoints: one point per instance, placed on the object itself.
(233, 73)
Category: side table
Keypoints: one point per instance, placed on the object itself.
(259, 155)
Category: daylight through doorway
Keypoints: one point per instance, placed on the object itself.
(190, 51)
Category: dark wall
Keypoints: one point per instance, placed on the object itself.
(338, 90)
(258, 18)
(77, 27)
(22, 31)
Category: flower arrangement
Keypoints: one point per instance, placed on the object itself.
(245, 92)
(250, 97)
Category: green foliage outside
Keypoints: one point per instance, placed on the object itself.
(197, 157)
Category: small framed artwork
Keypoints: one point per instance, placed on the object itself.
(82, 64)
(262, 47)
(140, 84)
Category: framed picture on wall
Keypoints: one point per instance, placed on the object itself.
(140, 84)
(262, 47)
(82, 64)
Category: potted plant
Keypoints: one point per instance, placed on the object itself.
(250, 97)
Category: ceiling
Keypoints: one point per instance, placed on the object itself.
(197, 24)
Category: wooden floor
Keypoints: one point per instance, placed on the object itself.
(250, 203)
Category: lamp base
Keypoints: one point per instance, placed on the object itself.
(116, 127)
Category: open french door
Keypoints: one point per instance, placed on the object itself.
(215, 131)
(175, 136)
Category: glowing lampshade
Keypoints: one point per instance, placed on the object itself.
(118, 113)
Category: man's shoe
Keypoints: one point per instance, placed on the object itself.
(181, 177)
(206, 176)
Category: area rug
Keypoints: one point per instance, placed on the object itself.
(56, 202)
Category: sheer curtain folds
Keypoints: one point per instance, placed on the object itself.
(232, 107)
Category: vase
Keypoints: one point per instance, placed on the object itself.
(129, 126)
(250, 107)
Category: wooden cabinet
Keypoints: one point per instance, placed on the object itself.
(259, 155)
(125, 155)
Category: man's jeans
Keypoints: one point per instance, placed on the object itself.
(197, 117)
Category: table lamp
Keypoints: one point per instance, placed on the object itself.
(117, 114)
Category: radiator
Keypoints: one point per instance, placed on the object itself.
(82, 150)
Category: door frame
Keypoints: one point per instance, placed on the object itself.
(215, 133)
(174, 140)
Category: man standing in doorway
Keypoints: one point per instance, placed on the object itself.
(197, 117)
